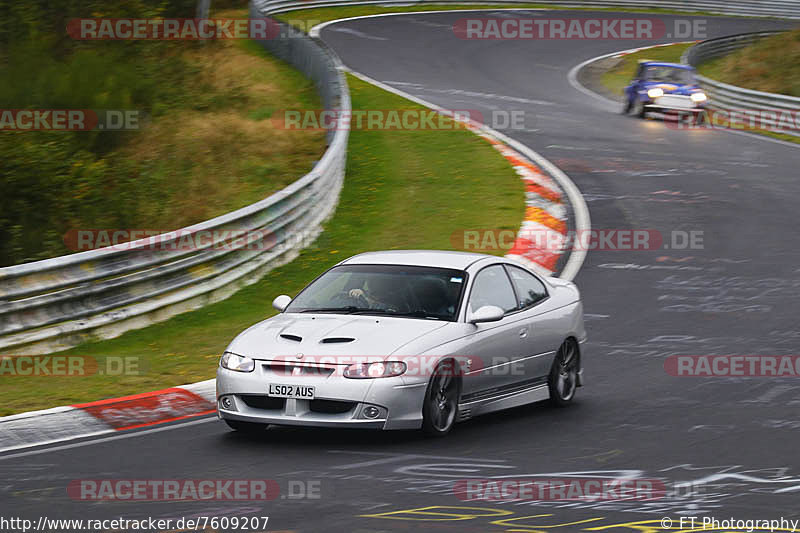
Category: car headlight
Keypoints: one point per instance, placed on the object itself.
(377, 369)
(655, 92)
(238, 363)
(698, 97)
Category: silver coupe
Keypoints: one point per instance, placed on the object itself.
(406, 340)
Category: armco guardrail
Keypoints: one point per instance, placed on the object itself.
(731, 98)
(749, 8)
(56, 303)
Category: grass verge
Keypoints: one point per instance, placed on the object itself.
(771, 65)
(404, 189)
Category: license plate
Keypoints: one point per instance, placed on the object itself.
(297, 392)
(676, 102)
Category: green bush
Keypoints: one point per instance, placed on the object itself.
(54, 180)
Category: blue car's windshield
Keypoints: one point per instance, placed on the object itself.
(668, 75)
(389, 290)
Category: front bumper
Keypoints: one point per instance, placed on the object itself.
(662, 109)
(674, 103)
(339, 401)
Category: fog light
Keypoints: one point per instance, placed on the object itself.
(371, 412)
(226, 402)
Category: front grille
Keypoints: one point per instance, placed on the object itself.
(259, 401)
(331, 407)
(286, 368)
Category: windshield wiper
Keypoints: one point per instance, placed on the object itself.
(387, 312)
(347, 310)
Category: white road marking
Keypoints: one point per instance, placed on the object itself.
(106, 439)
(462, 92)
(386, 458)
(360, 34)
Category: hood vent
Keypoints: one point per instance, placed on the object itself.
(337, 340)
(290, 337)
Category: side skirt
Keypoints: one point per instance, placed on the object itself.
(534, 393)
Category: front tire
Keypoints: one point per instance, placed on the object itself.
(563, 378)
(639, 109)
(250, 428)
(626, 107)
(440, 407)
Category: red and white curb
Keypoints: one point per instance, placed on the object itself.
(545, 220)
(49, 426)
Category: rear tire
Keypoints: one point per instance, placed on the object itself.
(251, 428)
(440, 407)
(563, 378)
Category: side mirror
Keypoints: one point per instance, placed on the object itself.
(281, 302)
(487, 313)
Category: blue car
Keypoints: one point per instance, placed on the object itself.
(666, 88)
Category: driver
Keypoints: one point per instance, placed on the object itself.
(381, 293)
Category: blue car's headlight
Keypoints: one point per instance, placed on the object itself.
(238, 363)
(698, 97)
(655, 92)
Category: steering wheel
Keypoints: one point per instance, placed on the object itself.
(345, 299)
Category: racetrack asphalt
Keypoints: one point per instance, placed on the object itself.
(734, 439)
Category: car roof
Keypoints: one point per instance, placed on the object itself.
(430, 258)
(664, 64)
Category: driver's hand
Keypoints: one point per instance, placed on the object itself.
(356, 293)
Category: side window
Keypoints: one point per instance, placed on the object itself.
(491, 287)
(529, 289)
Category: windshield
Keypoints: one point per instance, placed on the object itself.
(669, 74)
(394, 290)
